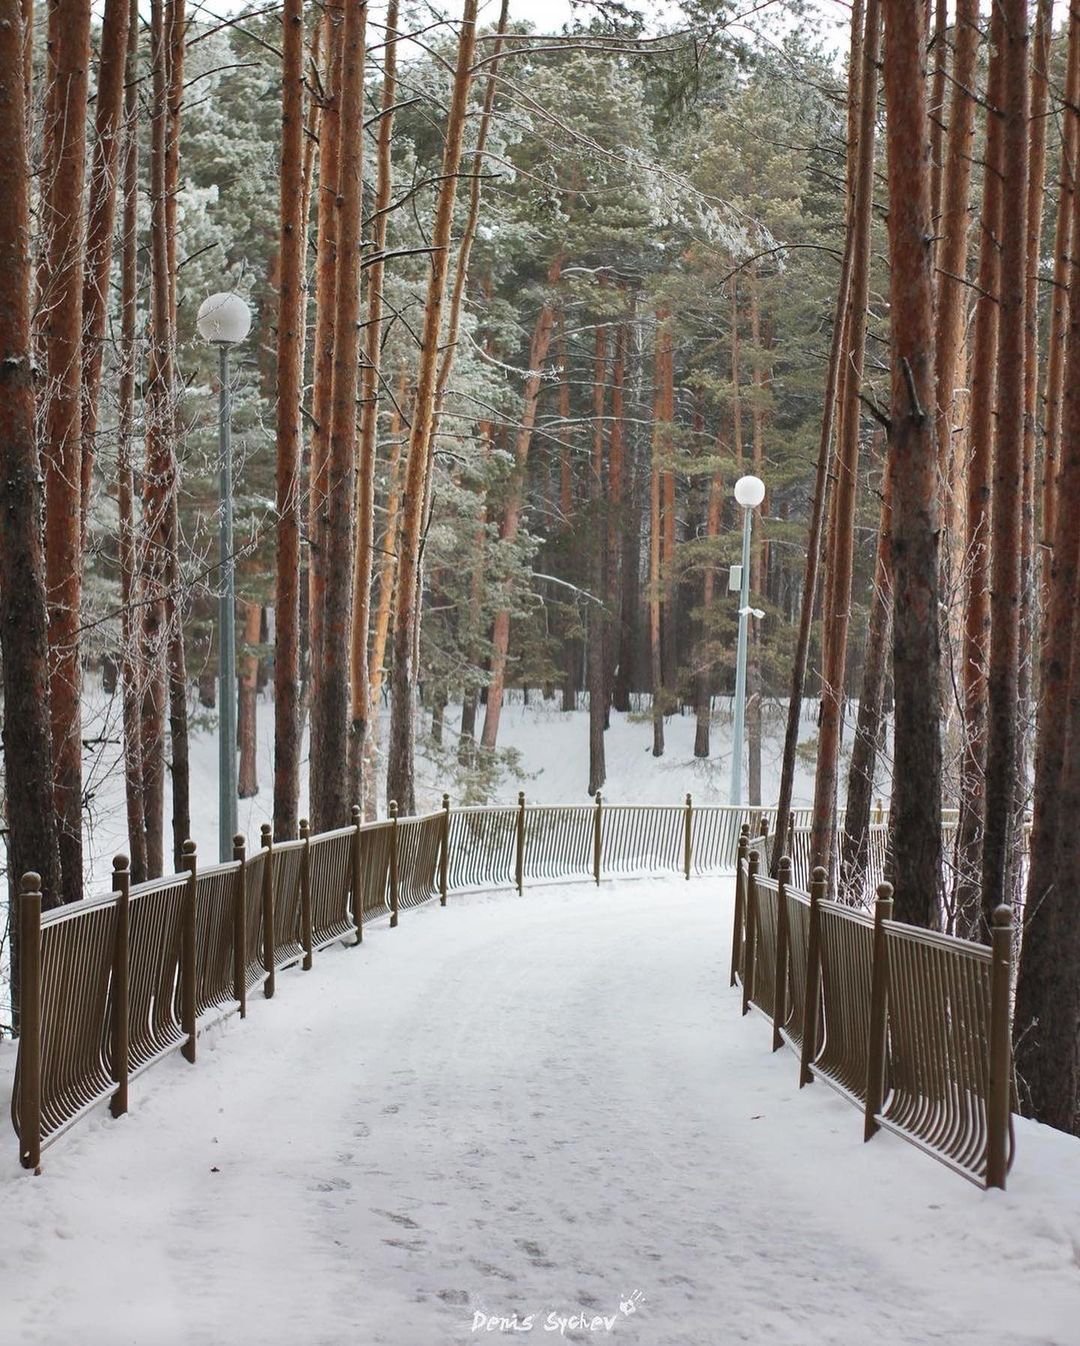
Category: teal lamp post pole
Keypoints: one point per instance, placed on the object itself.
(749, 493)
(224, 320)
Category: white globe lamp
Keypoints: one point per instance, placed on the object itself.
(223, 319)
(749, 492)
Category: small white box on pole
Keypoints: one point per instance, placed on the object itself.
(734, 583)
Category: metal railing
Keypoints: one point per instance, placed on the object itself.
(113, 984)
(912, 1027)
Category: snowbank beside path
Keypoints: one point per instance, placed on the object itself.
(545, 1107)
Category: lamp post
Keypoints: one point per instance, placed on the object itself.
(223, 320)
(749, 493)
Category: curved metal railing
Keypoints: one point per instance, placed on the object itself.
(910, 1026)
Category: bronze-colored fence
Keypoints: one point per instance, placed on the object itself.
(113, 984)
(911, 1026)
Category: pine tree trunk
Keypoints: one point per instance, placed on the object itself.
(384, 606)
(916, 797)
(596, 617)
(814, 549)
(1060, 292)
(180, 771)
(661, 433)
(160, 477)
(616, 512)
(101, 215)
(290, 380)
(703, 709)
(940, 47)
(1002, 743)
(131, 666)
(977, 555)
(836, 616)
(869, 727)
(329, 781)
(1040, 97)
(326, 269)
(62, 221)
(24, 648)
(369, 419)
(1046, 1015)
(952, 290)
(400, 782)
(500, 640)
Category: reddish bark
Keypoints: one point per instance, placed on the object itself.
(131, 671)
(329, 780)
(837, 614)
(418, 468)
(290, 380)
(99, 234)
(62, 224)
(27, 744)
(977, 550)
(500, 638)
(916, 797)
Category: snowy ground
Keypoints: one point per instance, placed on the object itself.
(538, 1106)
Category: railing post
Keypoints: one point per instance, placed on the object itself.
(753, 861)
(392, 810)
(1000, 1100)
(598, 836)
(444, 857)
(239, 851)
(187, 953)
(357, 875)
(780, 996)
(740, 904)
(269, 952)
(306, 936)
(30, 1021)
(813, 975)
(879, 1012)
(688, 833)
(121, 884)
(519, 845)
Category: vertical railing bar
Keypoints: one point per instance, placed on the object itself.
(737, 941)
(392, 809)
(811, 1003)
(305, 895)
(266, 837)
(189, 863)
(444, 852)
(999, 1100)
(751, 930)
(877, 1029)
(30, 1010)
(121, 1011)
(780, 972)
(239, 924)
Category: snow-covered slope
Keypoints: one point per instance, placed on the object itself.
(544, 752)
(546, 1107)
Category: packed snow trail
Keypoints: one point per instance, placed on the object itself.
(546, 1107)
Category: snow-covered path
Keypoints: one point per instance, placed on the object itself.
(532, 1106)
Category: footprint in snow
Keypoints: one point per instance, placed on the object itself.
(404, 1220)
